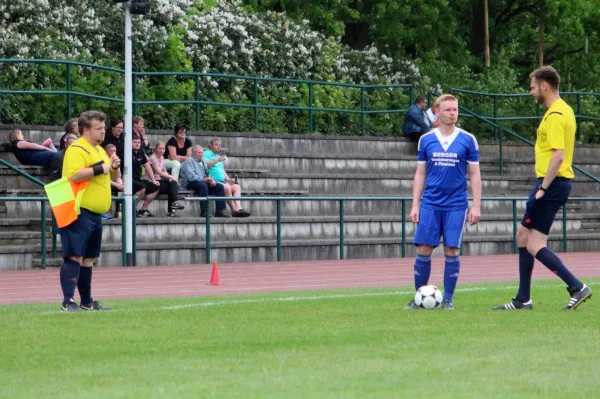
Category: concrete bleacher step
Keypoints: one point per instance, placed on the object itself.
(21, 237)
(294, 206)
(296, 166)
(165, 230)
(232, 251)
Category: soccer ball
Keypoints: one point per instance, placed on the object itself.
(428, 297)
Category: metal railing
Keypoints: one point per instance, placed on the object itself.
(496, 97)
(342, 200)
(198, 102)
(500, 130)
(55, 232)
(43, 226)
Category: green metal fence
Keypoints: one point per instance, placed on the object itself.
(343, 200)
(484, 99)
(43, 226)
(198, 102)
(55, 232)
(501, 130)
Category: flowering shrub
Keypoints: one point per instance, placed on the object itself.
(193, 35)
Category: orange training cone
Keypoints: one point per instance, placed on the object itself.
(214, 277)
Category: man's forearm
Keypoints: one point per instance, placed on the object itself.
(82, 175)
(418, 186)
(476, 189)
(555, 162)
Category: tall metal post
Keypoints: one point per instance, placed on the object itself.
(127, 171)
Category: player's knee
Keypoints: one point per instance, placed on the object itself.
(522, 237)
(88, 262)
(77, 259)
(534, 244)
(424, 250)
(451, 251)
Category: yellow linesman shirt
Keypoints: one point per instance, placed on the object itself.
(97, 197)
(556, 132)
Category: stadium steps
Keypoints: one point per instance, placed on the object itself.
(254, 250)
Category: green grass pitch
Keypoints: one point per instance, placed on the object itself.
(320, 344)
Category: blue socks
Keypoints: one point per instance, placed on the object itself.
(69, 275)
(553, 262)
(526, 261)
(422, 271)
(451, 272)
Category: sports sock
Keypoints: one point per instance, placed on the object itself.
(422, 270)
(451, 272)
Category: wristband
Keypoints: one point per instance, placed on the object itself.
(98, 170)
(542, 188)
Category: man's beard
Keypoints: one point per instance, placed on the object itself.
(540, 99)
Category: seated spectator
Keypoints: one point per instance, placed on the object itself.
(432, 114)
(194, 176)
(216, 168)
(116, 138)
(116, 185)
(28, 153)
(416, 122)
(140, 129)
(168, 183)
(57, 161)
(70, 128)
(179, 148)
(143, 188)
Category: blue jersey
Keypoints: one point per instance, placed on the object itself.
(447, 159)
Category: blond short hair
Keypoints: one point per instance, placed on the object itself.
(445, 97)
(14, 135)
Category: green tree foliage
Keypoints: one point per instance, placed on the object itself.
(434, 45)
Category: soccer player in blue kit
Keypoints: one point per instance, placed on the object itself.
(440, 205)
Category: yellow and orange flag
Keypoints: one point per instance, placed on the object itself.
(65, 199)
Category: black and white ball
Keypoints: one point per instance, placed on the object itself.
(428, 297)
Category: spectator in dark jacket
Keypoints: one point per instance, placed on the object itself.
(57, 161)
(116, 138)
(416, 122)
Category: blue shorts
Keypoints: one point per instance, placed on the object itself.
(539, 214)
(434, 224)
(83, 237)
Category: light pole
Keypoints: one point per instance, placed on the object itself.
(135, 7)
(128, 150)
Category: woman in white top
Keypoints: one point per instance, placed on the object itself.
(168, 183)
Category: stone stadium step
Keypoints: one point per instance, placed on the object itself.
(21, 237)
(289, 206)
(261, 143)
(306, 227)
(231, 251)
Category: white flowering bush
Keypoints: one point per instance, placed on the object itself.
(193, 35)
(230, 40)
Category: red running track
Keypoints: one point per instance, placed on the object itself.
(22, 286)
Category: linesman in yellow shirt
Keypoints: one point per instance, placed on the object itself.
(554, 148)
(86, 160)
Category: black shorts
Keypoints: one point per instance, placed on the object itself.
(150, 187)
(540, 214)
(83, 237)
